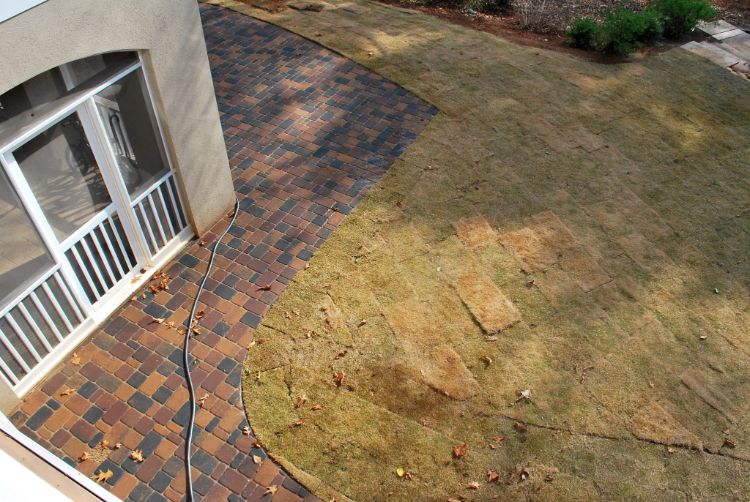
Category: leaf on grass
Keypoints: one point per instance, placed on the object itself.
(361, 323)
(84, 456)
(492, 476)
(496, 441)
(271, 490)
(316, 407)
(729, 442)
(459, 450)
(400, 472)
(67, 391)
(102, 476)
(474, 485)
(137, 455)
(340, 355)
(76, 359)
(299, 422)
(338, 377)
(302, 399)
(202, 401)
(520, 426)
(524, 395)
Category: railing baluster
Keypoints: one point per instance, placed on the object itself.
(47, 319)
(116, 232)
(20, 360)
(99, 248)
(155, 212)
(108, 242)
(22, 336)
(85, 272)
(34, 326)
(176, 206)
(94, 265)
(160, 191)
(9, 373)
(71, 301)
(148, 227)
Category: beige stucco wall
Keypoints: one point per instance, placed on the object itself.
(170, 34)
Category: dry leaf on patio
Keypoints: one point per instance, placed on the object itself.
(67, 391)
(104, 443)
(459, 450)
(338, 377)
(474, 485)
(202, 401)
(158, 320)
(117, 446)
(492, 476)
(257, 459)
(76, 359)
(84, 456)
(267, 287)
(271, 490)
(246, 430)
(200, 314)
(102, 476)
(137, 455)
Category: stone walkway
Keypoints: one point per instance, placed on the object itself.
(726, 45)
(308, 133)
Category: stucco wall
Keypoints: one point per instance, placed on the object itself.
(170, 34)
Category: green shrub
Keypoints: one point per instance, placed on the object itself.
(584, 33)
(624, 31)
(680, 17)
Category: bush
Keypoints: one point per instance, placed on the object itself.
(680, 17)
(584, 33)
(530, 12)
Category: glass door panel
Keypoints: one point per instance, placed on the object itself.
(23, 256)
(61, 170)
(132, 132)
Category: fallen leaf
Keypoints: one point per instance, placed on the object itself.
(202, 401)
(703, 337)
(67, 391)
(300, 401)
(84, 456)
(459, 450)
(492, 476)
(104, 443)
(487, 360)
(299, 422)
(362, 323)
(202, 243)
(524, 475)
(340, 355)
(670, 449)
(400, 472)
(271, 490)
(246, 430)
(158, 320)
(196, 331)
(257, 459)
(520, 427)
(316, 407)
(310, 333)
(102, 476)
(267, 287)
(117, 446)
(523, 395)
(338, 377)
(474, 485)
(76, 359)
(728, 442)
(200, 314)
(137, 455)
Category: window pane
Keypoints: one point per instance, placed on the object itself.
(62, 172)
(23, 256)
(132, 131)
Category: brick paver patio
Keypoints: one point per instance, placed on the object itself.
(308, 133)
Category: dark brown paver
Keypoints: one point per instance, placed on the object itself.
(308, 133)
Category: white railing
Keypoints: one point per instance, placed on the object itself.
(35, 323)
(101, 257)
(159, 213)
